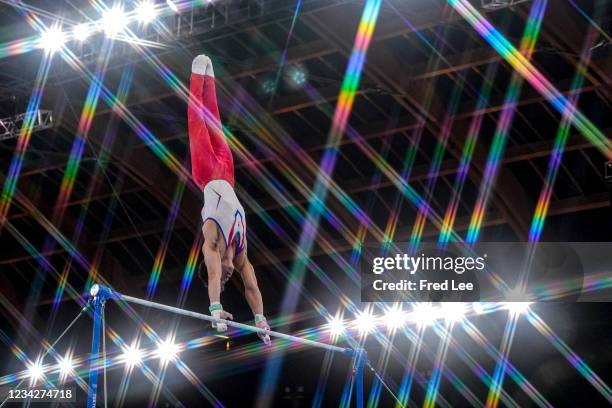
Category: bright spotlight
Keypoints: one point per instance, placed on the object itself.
(519, 300)
(424, 314)
(167, 350)
(53, 39)
(35, 371)
(172, 6)
(335, 325)
(517, 308)
(395, 317)
(114, 21)
(453, 311)
(297, 76)
(146, 12)
(132, 356)
(268, 86)
(365, 321)
(82, 32)
(65, 366)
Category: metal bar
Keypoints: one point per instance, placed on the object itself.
(242, 326)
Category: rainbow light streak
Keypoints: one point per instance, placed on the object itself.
(410, 370)
(527, 47)
(578, 363)
(190, 268)
(85, 121)
(436, 161)
(23, 140)
(283, 58)
(17, 47)
(323, 379)
(541, 211)
(466, 155)
(502, 362)
(526, 69)
(376, 389)
(163, 248)
(434, 381)
(317, 198)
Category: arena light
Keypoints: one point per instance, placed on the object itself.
(518, 300)
(146, 12)
(335, 325)
(517, 308)
(365, 321)
(35, 371)
(167, 350)
(268, 86)
(114, 21)
(82, 32)
(424, 314)
(65, 366)
(52, 39)
(172, 6)
(132, 356)
(395, 317)
(297, 76)
(453, 311)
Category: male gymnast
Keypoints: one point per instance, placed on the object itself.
(224, 223)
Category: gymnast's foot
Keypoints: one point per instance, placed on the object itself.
(202, 65)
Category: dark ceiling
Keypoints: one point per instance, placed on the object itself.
(119, 216)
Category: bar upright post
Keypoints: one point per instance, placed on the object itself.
(99, 295)
(361, 357)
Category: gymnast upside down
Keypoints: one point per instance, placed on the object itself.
(224, 223)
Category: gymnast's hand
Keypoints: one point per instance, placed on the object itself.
(222, 314)
(262, 323)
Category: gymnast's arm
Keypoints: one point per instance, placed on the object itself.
(251, 290)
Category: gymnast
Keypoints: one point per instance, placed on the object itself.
(224, 223)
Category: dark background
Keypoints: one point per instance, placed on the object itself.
(123, 193)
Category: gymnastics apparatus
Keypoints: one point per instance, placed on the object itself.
(100, 294)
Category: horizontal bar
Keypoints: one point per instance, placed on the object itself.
(242, 326)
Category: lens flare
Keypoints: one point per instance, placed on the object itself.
(65, 366)
(172, 6)
(395, 317)
(453, 311)
(424, 314)
(132, 356)
(167, 350)
(365, 322)
(335, 325)
(52, 39)
(146, 12)
(35, 371)
(82, 32)
(114, 21)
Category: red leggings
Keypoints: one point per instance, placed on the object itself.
(211, 157)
